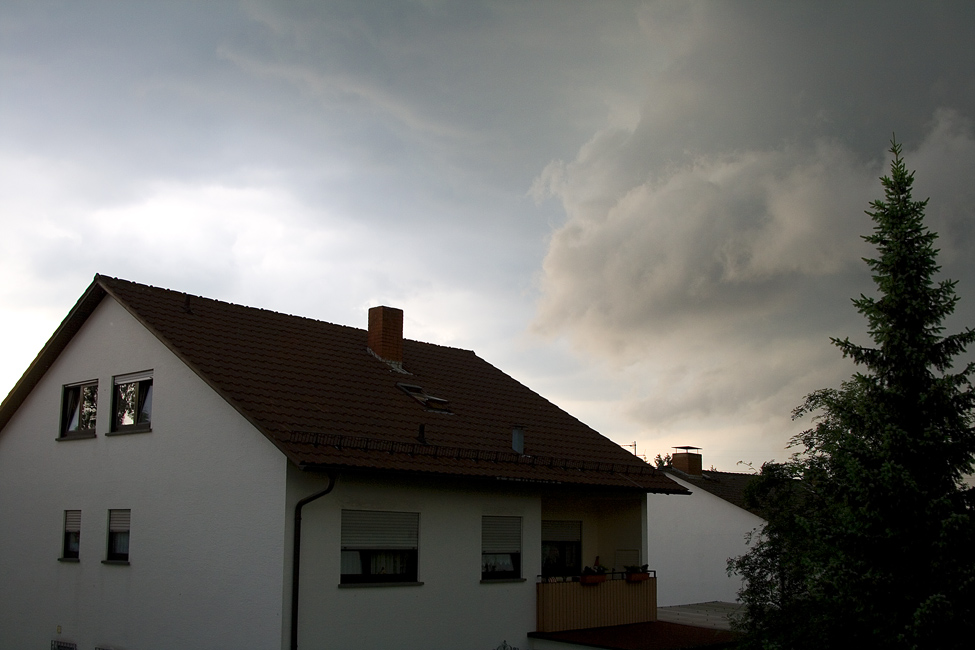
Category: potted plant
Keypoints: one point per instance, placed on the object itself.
(637, 573)
(593, 575)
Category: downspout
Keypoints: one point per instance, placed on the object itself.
(296, 557)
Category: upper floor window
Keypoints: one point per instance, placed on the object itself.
(132, 402)
(379, 546)
(78, 405)
(500, 547)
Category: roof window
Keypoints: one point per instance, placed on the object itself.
(429, 402)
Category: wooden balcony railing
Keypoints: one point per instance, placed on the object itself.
(572, 605)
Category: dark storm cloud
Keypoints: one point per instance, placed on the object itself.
(714, 244)
(709, 164)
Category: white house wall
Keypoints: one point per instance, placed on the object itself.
(452, 608)
(691, 538)
(207, 497)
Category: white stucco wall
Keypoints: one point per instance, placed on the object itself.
(452, 608)
(207, 495)
(690, 539)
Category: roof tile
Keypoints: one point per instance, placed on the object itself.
(308, 384)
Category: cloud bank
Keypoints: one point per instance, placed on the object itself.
(711, 249)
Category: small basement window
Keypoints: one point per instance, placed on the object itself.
(132, 402)
(79, 403)
(429, 402)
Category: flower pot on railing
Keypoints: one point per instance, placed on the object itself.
(637, 573)
(594, 574)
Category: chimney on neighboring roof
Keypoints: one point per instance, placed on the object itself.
(386, 333)
(687, 460)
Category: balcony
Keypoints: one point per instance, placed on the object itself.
(569, 604)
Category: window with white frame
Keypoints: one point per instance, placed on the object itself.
(500, 547)
(379, 546)
(132, 402)
(79, 403)
(71, 541)
(119, 522)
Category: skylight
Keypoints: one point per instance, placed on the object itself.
(429, 402)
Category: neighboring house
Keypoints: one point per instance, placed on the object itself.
(157, 455)
(691, 538)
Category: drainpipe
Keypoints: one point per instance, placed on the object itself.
(296, 557)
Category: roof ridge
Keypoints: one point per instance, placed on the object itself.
(107, 278)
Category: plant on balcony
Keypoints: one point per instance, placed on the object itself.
(637, 573)
(594, 574)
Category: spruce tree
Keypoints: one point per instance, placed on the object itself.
(870, 537)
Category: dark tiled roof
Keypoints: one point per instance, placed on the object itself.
(729, 486)
(318, 393)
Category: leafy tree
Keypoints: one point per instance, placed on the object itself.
(870, 534)
(662, 461)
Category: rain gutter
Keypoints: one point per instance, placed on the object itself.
(296, 557)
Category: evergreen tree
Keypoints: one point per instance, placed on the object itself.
(870, 538)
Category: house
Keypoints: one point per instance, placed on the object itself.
(693, 537)
(180, 472)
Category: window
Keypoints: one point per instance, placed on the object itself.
(72, 535)
(132, 402)
(561, 548)
(500, 548)
(429, 402)
(379, 546)
(78, 405)
(118, 535)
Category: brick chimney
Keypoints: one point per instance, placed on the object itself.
(386, 333)
(687, 460)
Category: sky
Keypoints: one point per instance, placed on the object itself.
(648, 212)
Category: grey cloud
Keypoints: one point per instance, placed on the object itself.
(710, 250)
(758, 75)
(725, 237)
(715, 161)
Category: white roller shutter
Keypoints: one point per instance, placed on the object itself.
(119, 520)
(500, 534)
(133, 377)
(72, 521)
(561, 531)
(371, 529)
